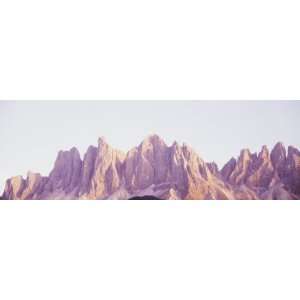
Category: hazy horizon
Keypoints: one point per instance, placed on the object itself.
(32, 132)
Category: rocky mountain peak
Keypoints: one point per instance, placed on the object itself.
(102, 140)
(264, 153)
(152, 138)
(293, 150)
(31, 175)
(245, 155)
(63, 155)
(33, 178)
(278, 154)
(14, 188)
(278, 151)
(154, 168)
(175, 147)
(279, 147)
(153, 141)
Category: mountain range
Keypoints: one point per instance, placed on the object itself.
(155, 170)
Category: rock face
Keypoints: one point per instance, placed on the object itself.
(19, 188)
(272, 175)
(102, 171)
(174, 172)
(154, 169)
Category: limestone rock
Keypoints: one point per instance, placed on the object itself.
(165, 172)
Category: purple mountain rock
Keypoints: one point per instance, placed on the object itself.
(154, 169)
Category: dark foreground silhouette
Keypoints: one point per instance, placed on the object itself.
(146, 197)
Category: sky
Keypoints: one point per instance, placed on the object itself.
(32, 132)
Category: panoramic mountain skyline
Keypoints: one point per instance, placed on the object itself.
(156, 170)
(32, 132)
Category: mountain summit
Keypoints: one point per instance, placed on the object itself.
(154, 169)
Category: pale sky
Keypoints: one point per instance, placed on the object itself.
(32, 132)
